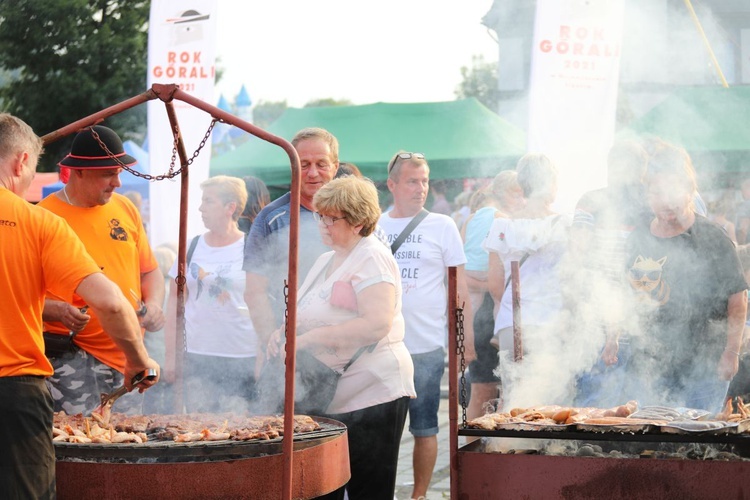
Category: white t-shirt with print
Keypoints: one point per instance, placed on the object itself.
(433, 245)
(216, 319)
(379, 376)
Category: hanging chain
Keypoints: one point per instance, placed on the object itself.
(461, 352)
(172, 173)
(181, 280)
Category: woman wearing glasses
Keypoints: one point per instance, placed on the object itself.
(690, 295)
(351, 298)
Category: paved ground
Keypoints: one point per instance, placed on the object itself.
(440, 484)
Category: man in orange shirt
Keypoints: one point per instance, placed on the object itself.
(37, 251)
(111, 229)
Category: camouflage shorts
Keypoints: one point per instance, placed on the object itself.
(80, 378)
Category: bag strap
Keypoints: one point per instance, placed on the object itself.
(357, 354)
(191, 250)
(526, 256)
(408, 229)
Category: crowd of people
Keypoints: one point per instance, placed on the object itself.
(637, 295)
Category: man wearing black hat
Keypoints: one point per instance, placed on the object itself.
(111, 229)
(38, 251)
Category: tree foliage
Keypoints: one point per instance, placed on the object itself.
(73, 58)
(267, 112)
(480, 81)
(319, 103)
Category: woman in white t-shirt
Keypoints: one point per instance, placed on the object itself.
(220, 341)
(350, 299)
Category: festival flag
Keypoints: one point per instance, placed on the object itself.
(575, 71)
(181, 50)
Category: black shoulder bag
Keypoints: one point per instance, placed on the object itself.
(315, 383)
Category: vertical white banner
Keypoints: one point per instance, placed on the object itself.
(575, 71)
(181, 50)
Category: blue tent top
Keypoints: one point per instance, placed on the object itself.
(129, 181)
(243, 98)
(224, 104)
(137, 152)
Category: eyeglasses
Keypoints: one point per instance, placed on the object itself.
(404, 156)
(326, 219)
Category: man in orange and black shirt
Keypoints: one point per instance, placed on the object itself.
(38, 251)
(111, 229)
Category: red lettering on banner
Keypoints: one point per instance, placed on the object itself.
(580, 49)
(589, 42)
(184, 72)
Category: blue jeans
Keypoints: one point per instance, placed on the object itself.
(423, 411)
(603, 386)
(707, 394)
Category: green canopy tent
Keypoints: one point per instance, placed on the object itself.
(459, 139)
(711, 123)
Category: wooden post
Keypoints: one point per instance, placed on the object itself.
(515, 290)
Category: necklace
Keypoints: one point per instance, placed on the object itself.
(65, 192)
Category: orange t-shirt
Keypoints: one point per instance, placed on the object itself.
(114, 236)
(38, 252)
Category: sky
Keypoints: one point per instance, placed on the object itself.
(386, 51)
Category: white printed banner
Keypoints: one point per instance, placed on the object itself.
(181, 50)
(575, 71)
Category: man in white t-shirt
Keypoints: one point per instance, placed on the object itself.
(424, 257)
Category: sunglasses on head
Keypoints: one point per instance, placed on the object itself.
(404, 156)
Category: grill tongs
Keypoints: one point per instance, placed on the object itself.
(103, 412)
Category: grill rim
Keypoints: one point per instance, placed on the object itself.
(170, 451)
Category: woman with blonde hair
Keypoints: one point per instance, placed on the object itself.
(220, 350)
